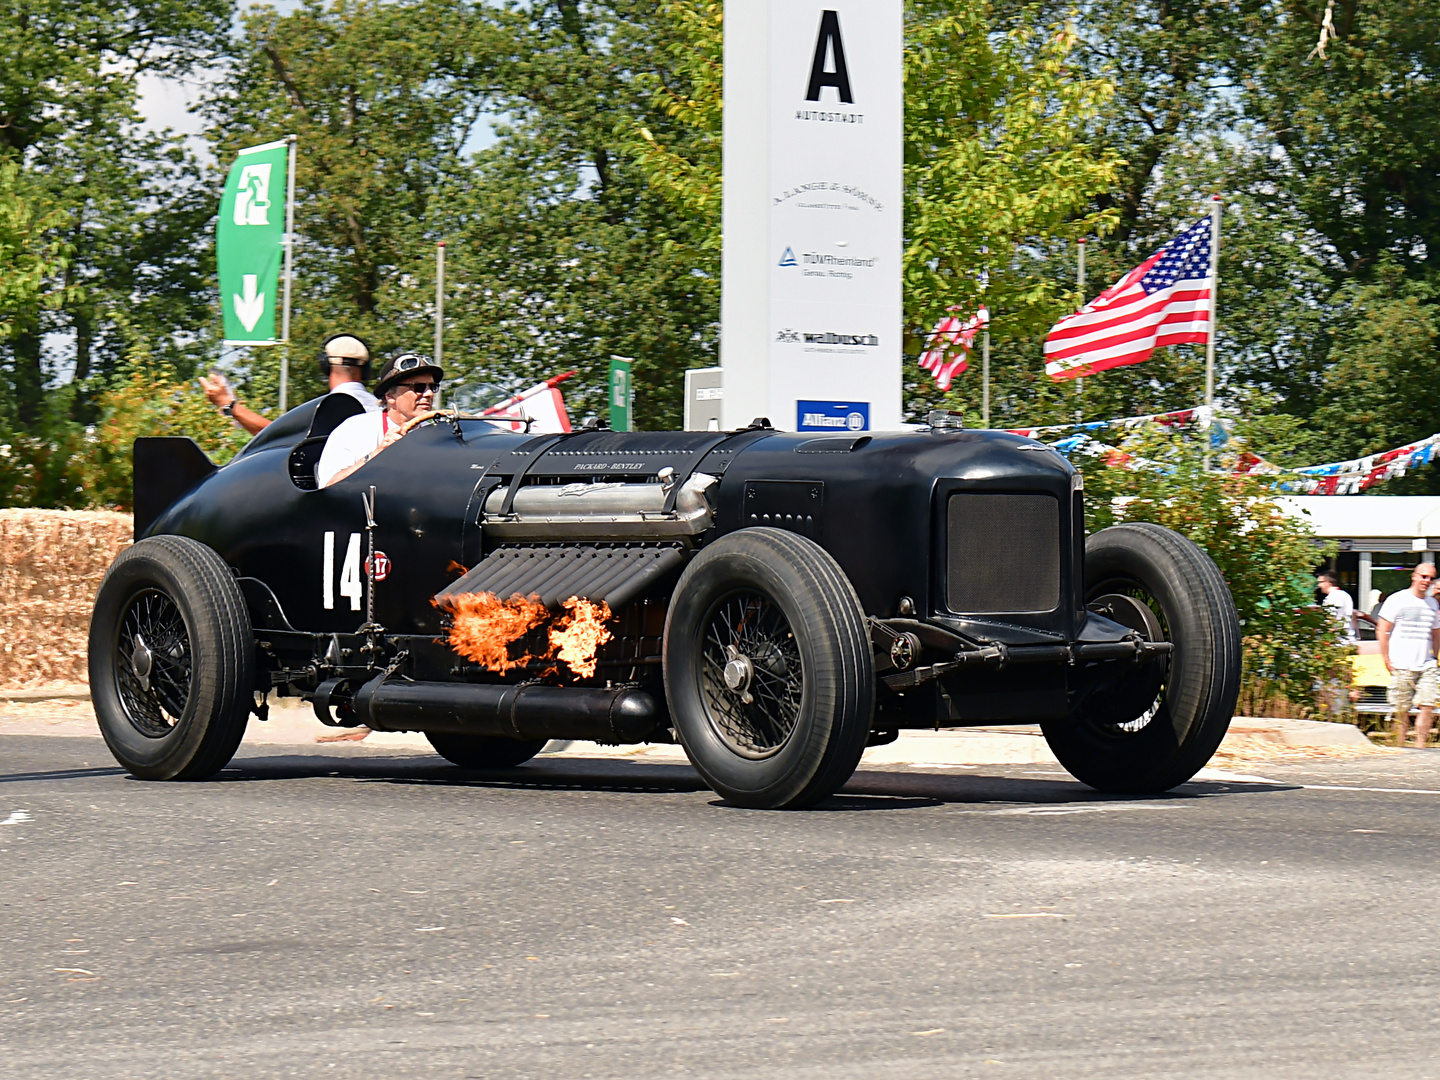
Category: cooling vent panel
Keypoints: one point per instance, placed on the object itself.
(1003, 553)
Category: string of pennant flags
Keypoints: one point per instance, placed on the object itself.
(1350, 477)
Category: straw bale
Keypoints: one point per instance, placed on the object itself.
(51, 563)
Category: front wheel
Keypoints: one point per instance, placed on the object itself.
(172, 660)
(1150, 727)
(768, 669)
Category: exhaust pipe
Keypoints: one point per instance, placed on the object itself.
(516, 712)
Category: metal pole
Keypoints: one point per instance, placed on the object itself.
(1210, 337)
(440, 301)
(1080, 284)
(291, 140)
(985, 381)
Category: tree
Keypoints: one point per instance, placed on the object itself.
(29, 258)
(68, 86)
(568, 253)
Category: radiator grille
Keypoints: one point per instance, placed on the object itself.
(1004, 553)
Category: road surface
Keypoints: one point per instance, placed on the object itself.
(353, 912)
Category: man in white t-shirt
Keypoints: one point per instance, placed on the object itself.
(1337, 601)
(407, 388)
(1407, 627)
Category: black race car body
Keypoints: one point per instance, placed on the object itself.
(916, 578)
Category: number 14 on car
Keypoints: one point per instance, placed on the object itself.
(350, 579)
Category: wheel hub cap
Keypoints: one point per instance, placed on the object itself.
(142, 661)
(739, 672)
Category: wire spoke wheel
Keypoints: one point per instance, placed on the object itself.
(769, 675)
(1127, 601)
(172, 660)
(153, 661)
(752, 676)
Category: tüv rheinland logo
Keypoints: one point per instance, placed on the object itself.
(832, 416)
(788, 259)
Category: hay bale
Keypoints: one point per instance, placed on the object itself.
(51, 563)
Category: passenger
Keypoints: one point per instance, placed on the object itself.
(344, 360)
(408, 385)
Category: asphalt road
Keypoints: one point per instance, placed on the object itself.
(342, 913)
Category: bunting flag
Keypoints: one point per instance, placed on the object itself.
(1334, 478)
(542, 407)
(1179, 418)
(947, 351)
(1163, 301)
(1346, 477)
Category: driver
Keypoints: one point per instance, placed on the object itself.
(407, 388)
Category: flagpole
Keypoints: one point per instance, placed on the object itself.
(1080, 284)
(1214, 308)
(290, 140)
(439, 302)
(985, 372)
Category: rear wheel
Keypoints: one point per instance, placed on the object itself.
(172, 660)
(1149, 727)
(483, 752)
(768, 669)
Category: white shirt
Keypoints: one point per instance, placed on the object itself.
(1343, 608)
(360, 394)
(350, 442)
(1411, 646)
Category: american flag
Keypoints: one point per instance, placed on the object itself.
(947, 352)
(1163, 301)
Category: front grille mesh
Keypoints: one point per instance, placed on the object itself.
(1003, 553)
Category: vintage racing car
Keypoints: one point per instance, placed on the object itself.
(774, 602)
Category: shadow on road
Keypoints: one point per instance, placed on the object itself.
(869, 790)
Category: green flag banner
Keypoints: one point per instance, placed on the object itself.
(621, 393)
(250, 242)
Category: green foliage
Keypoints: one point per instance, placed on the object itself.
(996, 163)
(29, 255)
(128, 206)
(1267, 557)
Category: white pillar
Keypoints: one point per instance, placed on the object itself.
(810, 306)
(1363, 600)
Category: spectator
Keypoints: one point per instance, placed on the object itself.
(1408, 630)
(1337, 601)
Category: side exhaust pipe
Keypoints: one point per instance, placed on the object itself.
(516, 712)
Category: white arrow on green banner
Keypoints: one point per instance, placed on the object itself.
(250, 242)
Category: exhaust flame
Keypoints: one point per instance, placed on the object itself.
(578, 634)
(483, 627)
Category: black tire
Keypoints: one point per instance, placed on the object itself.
(794, 623)
(484, 752)
(1124, 742)
(172, 660)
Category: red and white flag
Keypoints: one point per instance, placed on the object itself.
(1163, 301)
(947, 352)
(542, 405)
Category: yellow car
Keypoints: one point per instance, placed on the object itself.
(1371, 679)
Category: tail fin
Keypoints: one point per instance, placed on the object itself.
(165, 470)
